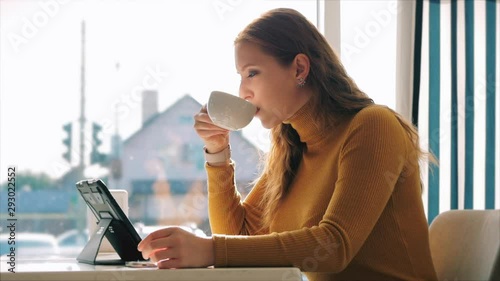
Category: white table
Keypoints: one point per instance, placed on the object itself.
(70, 269)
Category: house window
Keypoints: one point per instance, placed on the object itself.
(186, 150)
(186, 120)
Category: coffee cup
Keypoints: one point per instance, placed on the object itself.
(229, 112)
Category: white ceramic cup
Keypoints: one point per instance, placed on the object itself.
(229, 112)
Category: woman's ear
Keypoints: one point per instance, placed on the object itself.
(302, 66)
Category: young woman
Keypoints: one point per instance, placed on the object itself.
(340, 195)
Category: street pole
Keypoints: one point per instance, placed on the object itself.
(82, 105)
(81, 206)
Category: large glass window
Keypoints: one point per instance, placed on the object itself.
(145, 68)
(368, 46)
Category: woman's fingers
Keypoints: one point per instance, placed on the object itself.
(161, 233)
(202, 121)
(209, 127)
(204, 108)
(149, 249)
(170, 263)
(213, 136)
(163, 254)
(174, 247)
(202, 117)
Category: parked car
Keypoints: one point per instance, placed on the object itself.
(29, 245)
(71, 242)
(145, 230)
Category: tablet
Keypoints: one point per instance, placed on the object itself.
(112, 223)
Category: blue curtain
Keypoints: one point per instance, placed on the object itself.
(491, 91)
(463, 94)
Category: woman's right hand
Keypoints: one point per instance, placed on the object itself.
(215, 138)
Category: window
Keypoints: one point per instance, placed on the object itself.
(149, 65)
(368, 47)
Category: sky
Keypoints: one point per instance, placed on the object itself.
(175, 47)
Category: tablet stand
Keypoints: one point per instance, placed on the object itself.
(90, 251)
(112, 224)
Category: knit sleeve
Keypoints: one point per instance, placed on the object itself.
(228, 214)
(370, 162)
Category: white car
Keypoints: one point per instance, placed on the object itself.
(71, 242)
(28, 245)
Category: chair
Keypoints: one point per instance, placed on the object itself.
(465, 245)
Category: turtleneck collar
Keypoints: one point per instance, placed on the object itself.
(304, 122)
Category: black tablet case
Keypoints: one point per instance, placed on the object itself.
(112, 223)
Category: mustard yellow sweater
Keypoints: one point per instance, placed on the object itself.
(354, 210)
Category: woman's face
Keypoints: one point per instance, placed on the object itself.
(267, 84)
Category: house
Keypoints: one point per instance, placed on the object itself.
(163, 164)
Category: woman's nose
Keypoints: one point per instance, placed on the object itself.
(245, 93)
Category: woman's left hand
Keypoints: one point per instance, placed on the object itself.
(174, 247)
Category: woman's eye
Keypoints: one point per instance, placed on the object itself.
(252, 73)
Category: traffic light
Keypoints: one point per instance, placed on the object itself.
(67, 141)
(95, 156)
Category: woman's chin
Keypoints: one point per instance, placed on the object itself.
(269, 124)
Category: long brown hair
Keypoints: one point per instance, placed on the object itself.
(284, 33)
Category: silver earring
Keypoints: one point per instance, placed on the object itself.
(301, 82)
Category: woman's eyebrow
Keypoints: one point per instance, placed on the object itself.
(244, 67)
